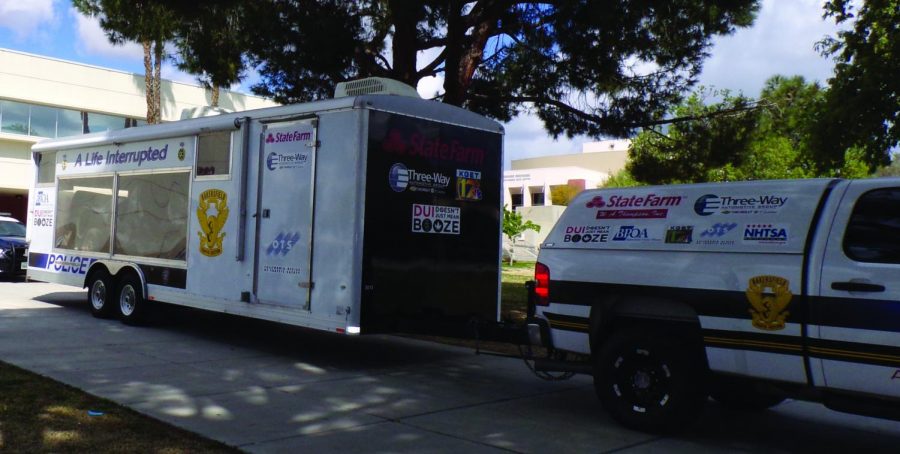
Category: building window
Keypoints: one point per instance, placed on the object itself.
(537, 199)
(13, 117)
(516, 201)
(214, 153)
(44, 121)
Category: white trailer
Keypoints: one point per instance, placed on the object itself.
(359, 214)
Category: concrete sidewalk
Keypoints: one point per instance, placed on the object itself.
(265, 387)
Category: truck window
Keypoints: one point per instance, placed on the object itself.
(214, 153)
(152, 215)
(46, 167)
(873, 232)
(84, 211)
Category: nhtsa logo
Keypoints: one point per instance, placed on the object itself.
(398, 177)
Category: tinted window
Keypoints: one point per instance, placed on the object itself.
(13, 117)
(214, 153)
(873, 233)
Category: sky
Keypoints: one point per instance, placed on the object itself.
(781, 41)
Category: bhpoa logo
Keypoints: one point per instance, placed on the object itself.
(277, 161)
(631, 233)
(435, 219)
(402, 178)
(765, 233)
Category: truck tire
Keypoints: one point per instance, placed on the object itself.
(101, 291)
(742, 395)
(132, 306)
(650, 382)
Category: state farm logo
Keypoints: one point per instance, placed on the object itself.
(293, 136)
(432, 148)
(635, 206)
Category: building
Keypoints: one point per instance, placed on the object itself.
(43, 97)
(531, 182)
(529, 186)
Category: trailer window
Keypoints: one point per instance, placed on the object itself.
(46, 167)
(84, 209)
(214, 153)
(873, 233)
(152, 215)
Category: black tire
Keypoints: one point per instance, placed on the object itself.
(132, 307)
(650, 382)
(101, 294)
(743, 395)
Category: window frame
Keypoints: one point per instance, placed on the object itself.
(845, 246)
(111, 219)
(219, 177)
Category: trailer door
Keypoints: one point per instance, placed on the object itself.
(284, 217)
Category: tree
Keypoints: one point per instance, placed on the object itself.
(620, 179)
(144, 21)
(513, 226)
(691, 150)
(768, 138)
(562, 194)
(584, 67)
(861, 106)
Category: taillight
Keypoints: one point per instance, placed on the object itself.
(542, 284)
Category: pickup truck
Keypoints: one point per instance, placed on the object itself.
(748, 292)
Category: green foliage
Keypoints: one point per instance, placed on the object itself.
(620, 179)
(563, 194)
(572, 63)
(861, 105)
(771, 138)
(513, 225)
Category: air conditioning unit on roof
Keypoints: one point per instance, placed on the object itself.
(374, 86)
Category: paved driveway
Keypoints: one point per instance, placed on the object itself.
(270, 388)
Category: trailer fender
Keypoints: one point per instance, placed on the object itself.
(116, 269)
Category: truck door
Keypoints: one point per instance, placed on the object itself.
(284, 216)
(855, 322)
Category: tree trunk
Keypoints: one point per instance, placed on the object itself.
(214, 96)
(148, 81)
(157, 67)
(405, 17)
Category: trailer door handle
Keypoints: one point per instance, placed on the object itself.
(857, 287)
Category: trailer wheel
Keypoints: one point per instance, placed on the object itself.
(133, 308)
(101, 291)
(648, 381)
(743, 395)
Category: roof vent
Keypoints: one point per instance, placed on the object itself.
(374, 86)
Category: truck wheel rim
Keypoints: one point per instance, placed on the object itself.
(642, 380)
(98, 295)
(127, 300)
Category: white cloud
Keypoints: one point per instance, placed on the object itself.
(92, 40)
(781, 41)
(25, 18)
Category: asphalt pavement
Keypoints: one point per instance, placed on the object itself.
(264, 387)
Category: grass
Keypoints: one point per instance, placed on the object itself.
(513, 296)
(40, 415)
